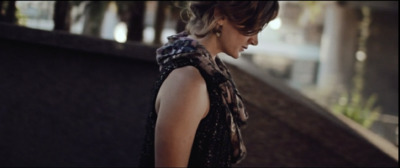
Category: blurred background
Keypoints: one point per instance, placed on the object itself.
(341, 54)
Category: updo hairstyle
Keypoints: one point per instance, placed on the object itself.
(248, 17)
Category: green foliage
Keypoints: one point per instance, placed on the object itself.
(314, 8)
(353, 103)
(21, 18)
(364, 112)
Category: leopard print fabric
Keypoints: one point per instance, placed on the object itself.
(218, 141)
(182, 46)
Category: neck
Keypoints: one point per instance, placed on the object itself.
(210, 42)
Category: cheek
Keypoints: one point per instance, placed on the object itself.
(235, 40)
(239, 39)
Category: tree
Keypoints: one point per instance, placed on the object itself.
(173, 8)
(136, 21)
(61, 15)
(94, 13)
(160, 19)
(10, 10)
(1, 11)
(132, 13)
(176, 9)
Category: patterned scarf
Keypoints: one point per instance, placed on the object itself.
(180, 46)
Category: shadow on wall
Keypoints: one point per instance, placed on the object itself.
(70, 100)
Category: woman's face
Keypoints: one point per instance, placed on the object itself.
(232, 42)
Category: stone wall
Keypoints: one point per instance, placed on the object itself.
(71, 100)
(382, 69)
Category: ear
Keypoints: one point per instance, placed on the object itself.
(219, 18)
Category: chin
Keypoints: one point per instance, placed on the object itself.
(235, 55)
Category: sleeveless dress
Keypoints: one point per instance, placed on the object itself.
(217, 142)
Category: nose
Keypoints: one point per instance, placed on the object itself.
(254, 39)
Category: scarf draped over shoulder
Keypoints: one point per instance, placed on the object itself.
(181, 46)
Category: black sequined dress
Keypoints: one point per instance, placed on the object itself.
(213, 145)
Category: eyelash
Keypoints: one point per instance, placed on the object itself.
(250, 33)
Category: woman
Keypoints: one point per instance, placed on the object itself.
(197, 109)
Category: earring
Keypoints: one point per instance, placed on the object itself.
(218, 34)
(218, 31)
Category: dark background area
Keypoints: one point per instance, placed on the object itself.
(70, 107)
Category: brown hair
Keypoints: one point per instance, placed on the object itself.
(249, 17)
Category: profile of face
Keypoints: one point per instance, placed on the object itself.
(234, 24)
(232, 42)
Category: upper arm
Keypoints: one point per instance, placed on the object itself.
(183, 103)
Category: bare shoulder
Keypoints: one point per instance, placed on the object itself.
(184, 88)
(182, 103)
(186, 79)
(188, 74)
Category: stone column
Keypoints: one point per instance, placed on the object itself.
(329, 77)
